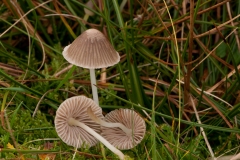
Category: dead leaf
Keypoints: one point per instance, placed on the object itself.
(50, 29)
(48, 146)
(10, 146)
(46, 156)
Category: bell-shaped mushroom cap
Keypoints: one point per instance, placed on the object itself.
(91, 50)
(131, 120)
(76, 107)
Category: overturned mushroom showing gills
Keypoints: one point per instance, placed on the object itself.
(75, 127)
(116, 136)
(76, 108)
(91, 50)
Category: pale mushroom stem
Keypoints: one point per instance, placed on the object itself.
(107, 124)
(93, 84)
(72, 121)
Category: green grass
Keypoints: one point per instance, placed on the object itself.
(174, 60)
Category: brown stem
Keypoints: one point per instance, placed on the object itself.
(189, 67)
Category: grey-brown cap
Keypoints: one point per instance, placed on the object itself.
(76, 107)
(131, 120)
(91, 50)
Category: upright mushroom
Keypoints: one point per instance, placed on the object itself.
(75, 127)
(91, 50)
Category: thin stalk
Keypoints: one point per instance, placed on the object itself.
(107, 124)
(93, 84)
(74, 122)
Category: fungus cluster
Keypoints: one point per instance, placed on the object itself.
(79, 121)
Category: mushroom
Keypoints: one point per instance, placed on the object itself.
(91, 50)
(117, 136)
(76, 128)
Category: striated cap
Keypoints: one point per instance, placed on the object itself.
(76, 107)
(91, 50)
(116, 136)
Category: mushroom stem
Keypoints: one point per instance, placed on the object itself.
(72, 121)
(93, 84)
(107, 124)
